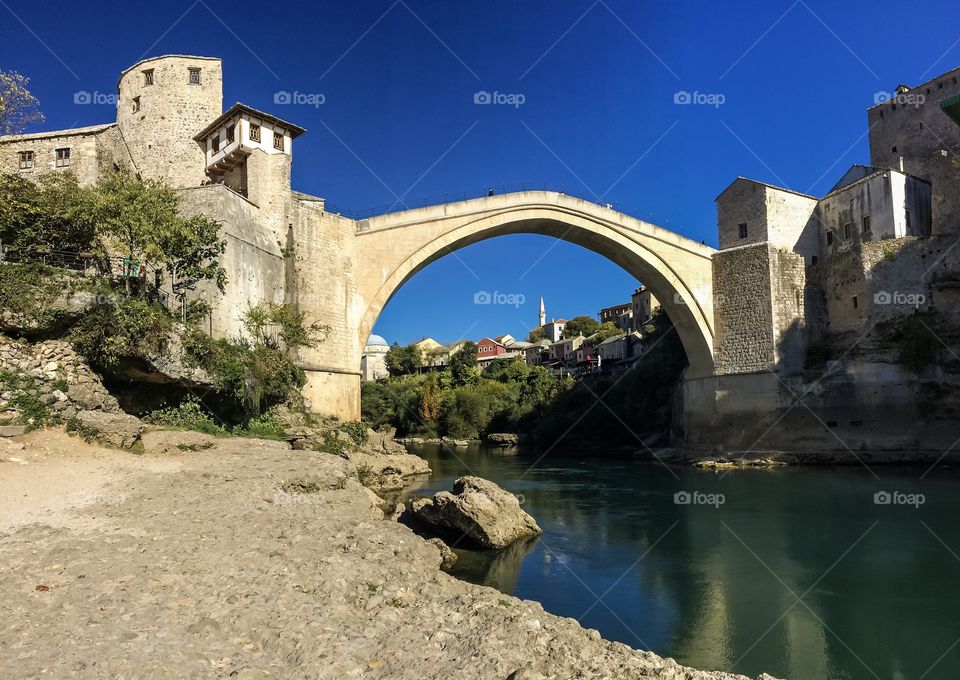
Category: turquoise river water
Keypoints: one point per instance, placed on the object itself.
(804, 573)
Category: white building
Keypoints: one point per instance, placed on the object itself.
(373, 363)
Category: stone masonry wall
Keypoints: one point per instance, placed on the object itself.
(171, 111)
(83, 155)
(743, 312)
(52, 372)
(916, 129)
(254, 260)
(788, 274)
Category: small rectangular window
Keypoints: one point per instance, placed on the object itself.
(829, 238)
(63, 158)
(194, 76)
(136, 104)
(856, 303)
(231, 134)
(743, 230)
(278, 140)
(26, 160)
(254, 133)
(846, 230)
(866, 224)
(215, 143)
(148, 77)
(893, 149)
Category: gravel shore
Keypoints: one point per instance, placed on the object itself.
(251, 560)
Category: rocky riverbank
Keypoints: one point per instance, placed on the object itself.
(247, 559)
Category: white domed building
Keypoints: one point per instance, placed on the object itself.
(373, 364)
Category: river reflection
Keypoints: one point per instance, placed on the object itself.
(798, 572)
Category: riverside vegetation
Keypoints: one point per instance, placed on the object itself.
(461, 402)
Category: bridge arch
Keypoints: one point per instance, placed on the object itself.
(394, 247)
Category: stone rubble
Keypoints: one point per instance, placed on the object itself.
(43, 370)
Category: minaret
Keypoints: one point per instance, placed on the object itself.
(543, 312)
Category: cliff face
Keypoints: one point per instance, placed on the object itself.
(248, 559)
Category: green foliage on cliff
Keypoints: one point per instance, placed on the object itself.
(30, 293)
(121, 328)
(257, 377)
(291, 325)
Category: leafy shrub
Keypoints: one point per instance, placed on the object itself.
(357, 431)
(265, 426)
(188, 415)
(256, 377)
(127, 327)
(29, 290)
(330, 443)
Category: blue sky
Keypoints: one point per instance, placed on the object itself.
(598, 78)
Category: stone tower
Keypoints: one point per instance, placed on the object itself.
(543, 312)
(162, 102)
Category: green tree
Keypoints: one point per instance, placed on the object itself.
(18, 107)
(536, 335)
(605, 331)
(431, 399)
(580, 325)
(403, 360)
(52, 212)
(463, 364)
(140, 220)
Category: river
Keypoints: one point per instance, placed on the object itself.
(797, 572)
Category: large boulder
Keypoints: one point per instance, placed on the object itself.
(113, 429)
(478, 510)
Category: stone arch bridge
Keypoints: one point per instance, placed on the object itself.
(346, 271)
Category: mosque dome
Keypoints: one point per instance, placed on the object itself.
(376, 341)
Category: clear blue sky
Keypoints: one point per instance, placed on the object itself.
(599, 81)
